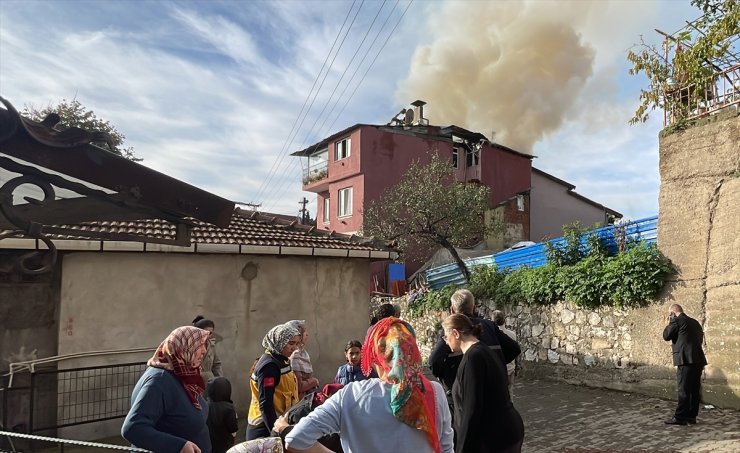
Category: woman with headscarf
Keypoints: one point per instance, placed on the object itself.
(211, 365)
(168, 413)
(273, 384)
(485, 419)
(300, 362)
(399, 411)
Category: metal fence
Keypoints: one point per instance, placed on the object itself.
(43, 400)
(643, 230)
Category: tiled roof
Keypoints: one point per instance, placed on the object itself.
(246, 228)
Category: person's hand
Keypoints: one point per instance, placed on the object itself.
(189, 447)
(314, 382)
(280, 424)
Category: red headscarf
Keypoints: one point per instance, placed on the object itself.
(391, 344)
(178, 353)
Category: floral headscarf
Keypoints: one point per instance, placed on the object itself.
(391, 344)
(278, 337)
(178, 352)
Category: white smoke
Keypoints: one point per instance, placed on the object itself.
(516, 68)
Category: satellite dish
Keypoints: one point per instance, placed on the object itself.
(408, 117)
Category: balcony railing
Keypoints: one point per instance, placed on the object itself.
(315, 172)
(684, 103)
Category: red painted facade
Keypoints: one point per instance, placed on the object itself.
(380, 155)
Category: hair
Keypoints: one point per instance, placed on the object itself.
(462, 301)
(499, 318)
(352, 344)
(374, 320)
(677, 308)
(462, 324)
(202, 323)
(386, 311)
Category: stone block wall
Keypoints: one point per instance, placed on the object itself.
(699, 231)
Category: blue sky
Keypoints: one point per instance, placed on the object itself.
(209, 92)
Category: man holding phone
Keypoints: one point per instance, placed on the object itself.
(686, 336)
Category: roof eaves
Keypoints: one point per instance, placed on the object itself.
(325, 142)
(595, 204)
(554, 178)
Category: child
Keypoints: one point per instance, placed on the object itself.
(350, 371)
(222, 422)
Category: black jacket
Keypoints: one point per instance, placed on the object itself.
(687, 336)
(444, 363)
(221, 415)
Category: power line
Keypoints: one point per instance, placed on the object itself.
(278, 193)
(289, 140)
(284, 185)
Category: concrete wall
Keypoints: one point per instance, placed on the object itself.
(699, 230)
(29, 325)
(129, 300)
(552, 207)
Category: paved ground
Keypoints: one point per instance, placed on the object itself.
(562, 418)
(566, 418)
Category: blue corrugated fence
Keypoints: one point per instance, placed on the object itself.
(534, 256)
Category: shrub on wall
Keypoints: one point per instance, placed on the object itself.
(632, 278)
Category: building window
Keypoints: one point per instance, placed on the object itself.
(342, 149)
(472, 157)
(345, 202)
(326, 210)
(520, 202)
(454, 157)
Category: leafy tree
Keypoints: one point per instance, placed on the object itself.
(683, 82)
(74, 114)
(427, 208)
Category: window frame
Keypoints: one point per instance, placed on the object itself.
(455, 157)
(346, 148)
(349, 193)
(327, 210)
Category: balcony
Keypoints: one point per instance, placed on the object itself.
(314, 174)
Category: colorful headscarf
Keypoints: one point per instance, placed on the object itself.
(391, 344)
(278, 337)
(177, 353)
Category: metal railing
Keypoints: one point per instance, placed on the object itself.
(19, 442)
(684, 103)
(40, 396)
(315, 172)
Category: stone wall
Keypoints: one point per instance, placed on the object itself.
(698, 230)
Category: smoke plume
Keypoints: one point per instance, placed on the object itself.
(513, 68)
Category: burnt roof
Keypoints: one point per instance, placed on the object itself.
(433, 132)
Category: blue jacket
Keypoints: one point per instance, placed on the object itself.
(347, 373)
(162, 417)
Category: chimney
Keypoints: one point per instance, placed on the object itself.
(419, 119)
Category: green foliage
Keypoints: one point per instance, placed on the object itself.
(679, 84)
(431, 301)
(483, 282)
(74, 114)
(428, 209)
(632, 278)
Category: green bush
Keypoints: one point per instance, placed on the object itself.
(632, 278)
(432, 300)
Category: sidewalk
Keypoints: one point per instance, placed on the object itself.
(566, 418)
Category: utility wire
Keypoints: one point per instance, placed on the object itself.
(280, 191)
(289, 140)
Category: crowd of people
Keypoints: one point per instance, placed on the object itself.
(380, 399)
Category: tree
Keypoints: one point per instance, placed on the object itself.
(683, 81)
(427, 208)
(74, 114)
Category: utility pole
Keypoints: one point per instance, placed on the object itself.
(304, 212)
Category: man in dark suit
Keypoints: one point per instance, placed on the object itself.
(686, 336)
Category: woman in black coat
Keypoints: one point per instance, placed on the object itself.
(485, 420)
